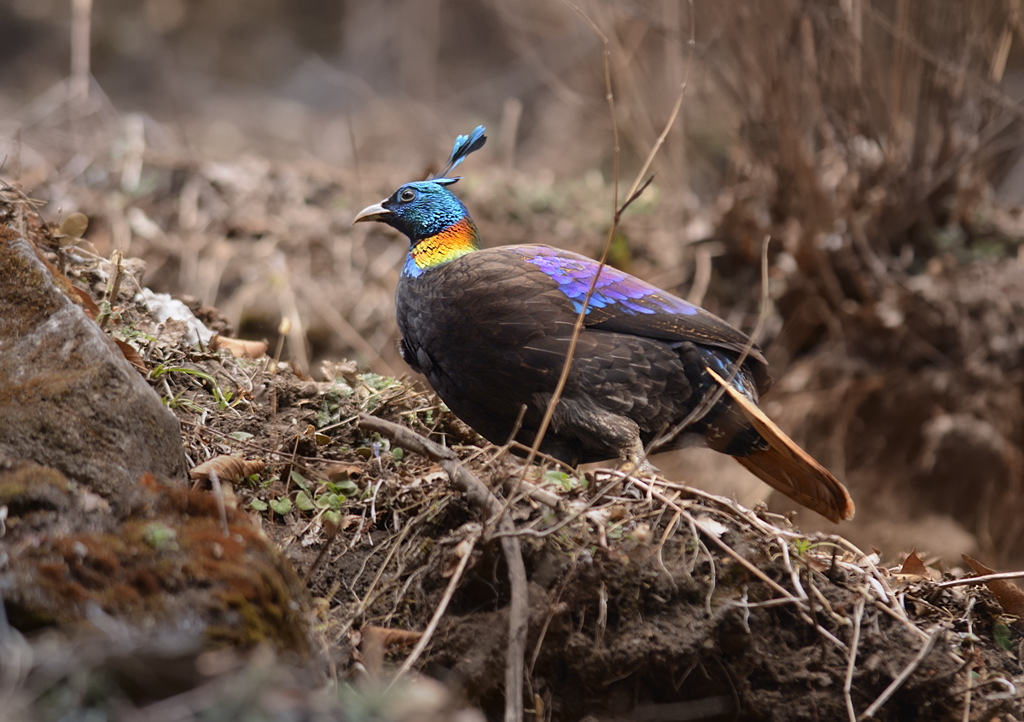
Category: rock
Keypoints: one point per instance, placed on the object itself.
(173, 564)
(68, 398)
(80, 427)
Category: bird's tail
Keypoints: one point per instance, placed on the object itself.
(786, 467)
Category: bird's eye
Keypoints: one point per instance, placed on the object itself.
(407, 195)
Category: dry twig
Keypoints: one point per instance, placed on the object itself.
(858, 614)
(449, 592)
(933, 636)
(481, 497)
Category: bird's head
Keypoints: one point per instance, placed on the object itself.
(420, 210)
(436, 223)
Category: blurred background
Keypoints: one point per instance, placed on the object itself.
(227, 146)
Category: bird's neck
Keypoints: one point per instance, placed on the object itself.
(456, 240)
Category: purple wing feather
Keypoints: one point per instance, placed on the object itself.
(574, 274)
(625, 304)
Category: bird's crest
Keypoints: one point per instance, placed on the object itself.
(464, 145)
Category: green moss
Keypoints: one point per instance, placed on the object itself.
(32, 487)
(160, 536)
(172, 561)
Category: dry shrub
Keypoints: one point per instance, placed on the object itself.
(870, 134)
(878, 121)
(865, 138)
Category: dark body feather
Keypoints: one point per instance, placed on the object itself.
(491, 331)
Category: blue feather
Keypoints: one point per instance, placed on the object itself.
(464, 145)
(615, 288)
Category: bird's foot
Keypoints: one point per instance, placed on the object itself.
(634, 465)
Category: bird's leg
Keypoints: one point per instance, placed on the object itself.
(620, 434)
(634, 460)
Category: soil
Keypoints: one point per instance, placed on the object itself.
(648, 599)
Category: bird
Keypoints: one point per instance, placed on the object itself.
(490, 329)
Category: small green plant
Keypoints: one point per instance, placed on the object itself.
(567, 482)
(1002, 636)
(801, 546)
(107, 313)
(281, 505)
(318, 498)
(330, 408)
(375, 384)
(223, 398)
(173, 401)
(160, 536)
(129, 334)
(303, 502)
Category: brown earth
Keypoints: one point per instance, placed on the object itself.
(646, 599)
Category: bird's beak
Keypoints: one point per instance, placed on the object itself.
(376, 212)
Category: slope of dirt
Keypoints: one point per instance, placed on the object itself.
(647, 599)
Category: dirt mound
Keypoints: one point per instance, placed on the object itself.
(638, 598)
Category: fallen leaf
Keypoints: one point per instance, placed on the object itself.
(84, 299)
(913, 571)
(375, 641)
(913, 565)
(239, 348)
(390, 638)
(91, 501)
(710, 526)
(464, 547)
(343, 472)
(132, 356)
(227, 468)
(1008, 594)
(74, 226)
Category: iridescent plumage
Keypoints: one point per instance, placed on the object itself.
(575, 274)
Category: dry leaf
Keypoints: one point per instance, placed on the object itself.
(389, 638)
(227, 468)
(914, 570)
(239, 348)
(374, 641)
(1008, 594)
(91, 501)
(464, 547)
(132, 356)
(913, 565)
(710, 526)
(83, 299)
(74, 226)
(343, 472)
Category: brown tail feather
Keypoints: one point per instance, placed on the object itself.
(788, 468)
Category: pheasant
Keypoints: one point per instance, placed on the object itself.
(491, 328)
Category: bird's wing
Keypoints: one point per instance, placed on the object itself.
(625, 304)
